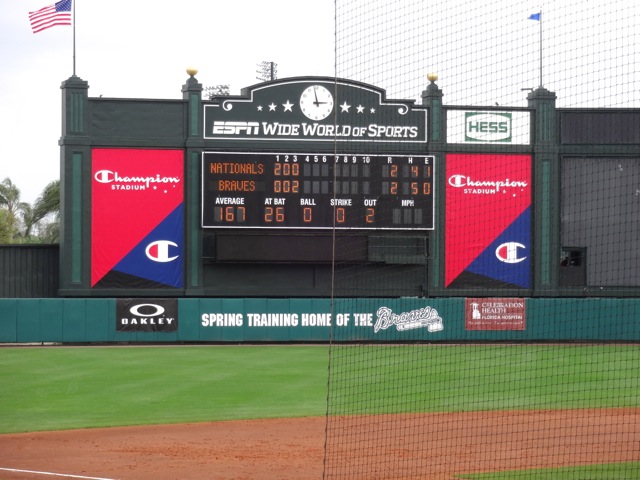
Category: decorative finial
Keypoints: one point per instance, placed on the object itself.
(432, 77)
(192, 71)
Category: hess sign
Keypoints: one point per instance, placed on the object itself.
(317, 191)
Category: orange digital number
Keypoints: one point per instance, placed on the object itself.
(307, 214)
(286, 186)
(230, 214)
(286, 169)
(241, 214)
(340, 215)
(370, 215)
(274, 214)
(415, 188)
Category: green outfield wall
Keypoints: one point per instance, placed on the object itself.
(231, 320)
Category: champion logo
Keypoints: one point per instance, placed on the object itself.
(159, 251)
(460, 181)
(126, 182)
(509, 252)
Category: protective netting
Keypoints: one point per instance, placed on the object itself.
(487, 53)
(506, 326)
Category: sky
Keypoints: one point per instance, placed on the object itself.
(485, 53)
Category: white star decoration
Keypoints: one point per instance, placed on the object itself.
(344, 107)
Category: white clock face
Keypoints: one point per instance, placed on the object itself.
(316, 102)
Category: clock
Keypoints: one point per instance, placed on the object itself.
(316, 102)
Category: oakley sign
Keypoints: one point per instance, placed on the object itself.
(146, 315)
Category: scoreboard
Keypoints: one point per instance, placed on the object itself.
(317, 191)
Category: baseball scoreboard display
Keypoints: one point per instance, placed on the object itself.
(317, 191)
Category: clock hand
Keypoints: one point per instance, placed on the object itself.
(315, 93)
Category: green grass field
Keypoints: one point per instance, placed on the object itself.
(81, 387)
(56, 388)
(78, 387)
(617, 471)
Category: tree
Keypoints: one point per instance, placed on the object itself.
(10, 196)
(10, 200)
(19, 220)
(6, 227)
(46, 205)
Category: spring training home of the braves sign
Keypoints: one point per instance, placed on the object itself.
(315, 109)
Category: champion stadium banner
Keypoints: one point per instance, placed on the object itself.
(488, 221)
(137, 218)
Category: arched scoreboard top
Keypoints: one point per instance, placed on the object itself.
(318, 110)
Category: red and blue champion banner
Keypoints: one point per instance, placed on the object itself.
(137, 226)
(488, 221)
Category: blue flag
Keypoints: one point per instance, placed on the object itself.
(535, 16)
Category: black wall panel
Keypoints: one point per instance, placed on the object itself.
(29, 271)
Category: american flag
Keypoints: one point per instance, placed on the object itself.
(57, 14)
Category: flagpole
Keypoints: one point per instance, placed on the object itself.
(540, 46)
(74, 36)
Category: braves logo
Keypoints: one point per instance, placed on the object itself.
(509, 252)
(158, 251)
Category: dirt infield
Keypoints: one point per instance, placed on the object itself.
(436, 447)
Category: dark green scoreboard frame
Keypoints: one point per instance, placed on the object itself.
(274, 263)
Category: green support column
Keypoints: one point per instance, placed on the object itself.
(432, 98)
(75, 154)
(192, 94)
(546, 214)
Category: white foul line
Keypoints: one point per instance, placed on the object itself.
(53, 474)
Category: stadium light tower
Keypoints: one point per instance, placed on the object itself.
(216, 91)
(267, 71)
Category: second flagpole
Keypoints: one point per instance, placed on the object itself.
(73, 5)
(540, 21)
